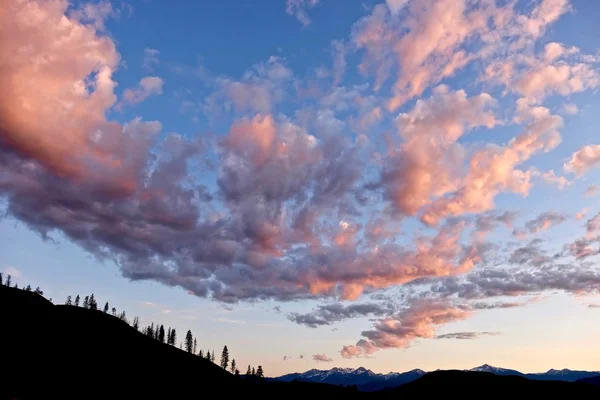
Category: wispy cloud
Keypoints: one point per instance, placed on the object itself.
(466, 335)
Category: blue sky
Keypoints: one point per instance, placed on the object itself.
(302, 177)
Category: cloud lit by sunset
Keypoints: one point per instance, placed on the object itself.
(404, 171)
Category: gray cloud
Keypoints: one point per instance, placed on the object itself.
(332, 313)
(466, 335)
(545, 221)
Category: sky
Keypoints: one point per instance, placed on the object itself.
(391, 184)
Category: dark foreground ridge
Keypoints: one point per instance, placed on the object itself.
(61, 352)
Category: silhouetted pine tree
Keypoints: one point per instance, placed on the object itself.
(189, 341)
(114, 311)
(76, 304)
(236, 372)
(69, 302)
(92, 302)
(161, 334)
(195, 344)
(37, 290)
(16, 285)
(123, 317)
(8, 280)
(208, 355)
(201, 354)
(136, 324)
(169, 335)
(173, 337)
(225, 358)
(105, 307)
(86, 302)
(248, 372)
(253, 372)
(150, 330)
(28, 288)
(259, 372)
(212, 356)
(233, 368)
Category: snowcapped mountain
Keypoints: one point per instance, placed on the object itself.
(551, 375)
(496, 370)
(563, 375)
(368, 381)
(365, 379)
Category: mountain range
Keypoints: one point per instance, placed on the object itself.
(369, 381)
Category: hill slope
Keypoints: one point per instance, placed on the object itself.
(594, 380)
(68, 350)
(477, 385)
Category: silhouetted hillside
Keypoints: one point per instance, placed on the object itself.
(63, 352)
(467, 384)
(594, 380)
(56, 351)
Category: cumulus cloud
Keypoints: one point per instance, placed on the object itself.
(583, 160)
(258, 90)
(466, 335)
(321, 358)
(545, 221)
(125, 196)
(593, 226)
(489, 283)
(148, 86)
(493, 169)
(559, 181)
(425, 44)
(425, 165)
(396, 5)
(299, 9)
(338, 52)
(570, 109)
(592, 190)
(290, 205)
(418, 321)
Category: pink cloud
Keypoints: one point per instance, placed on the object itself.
(593, 226)
(570, 109)
(545, 221)
(427, 164)
(592, 190)
(148, 86)
(583, 160)
(493, 169)
(258, 90)
(581, 214)
(559, 181)
(321, 358)
(61, 88)
(299, 9)
(424, 42)
(419, 321)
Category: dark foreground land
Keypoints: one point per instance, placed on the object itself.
(62, 352)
